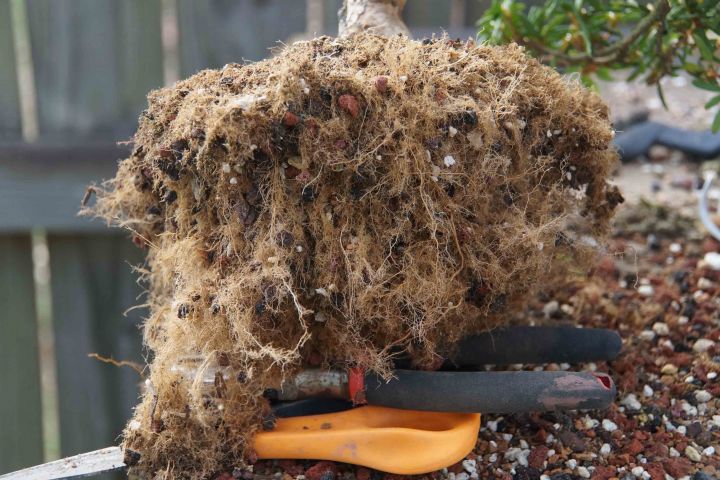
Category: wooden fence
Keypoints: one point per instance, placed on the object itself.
(73, 80)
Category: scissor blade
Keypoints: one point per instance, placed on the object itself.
(83, 465)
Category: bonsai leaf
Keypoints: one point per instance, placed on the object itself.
(713, 101)
(713, 87)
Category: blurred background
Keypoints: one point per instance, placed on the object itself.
(73, 79)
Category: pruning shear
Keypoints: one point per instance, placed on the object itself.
(419, 421)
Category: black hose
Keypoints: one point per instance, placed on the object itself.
(491, 392)
(523, 344)
(637, 140)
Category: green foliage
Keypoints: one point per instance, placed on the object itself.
(597, 37)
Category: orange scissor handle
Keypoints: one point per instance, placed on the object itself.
(397, 441)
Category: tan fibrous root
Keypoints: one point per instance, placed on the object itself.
(343, 202)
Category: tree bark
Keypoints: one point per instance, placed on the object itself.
(377, 16)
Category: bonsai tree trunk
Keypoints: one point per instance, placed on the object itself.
(378, 16)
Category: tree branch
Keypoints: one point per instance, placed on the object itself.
(612, 53)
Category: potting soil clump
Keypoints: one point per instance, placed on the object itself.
(344, 202)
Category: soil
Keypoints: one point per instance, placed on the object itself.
(340, 203)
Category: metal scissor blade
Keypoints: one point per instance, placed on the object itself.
(83, 465)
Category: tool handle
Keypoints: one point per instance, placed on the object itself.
(544, 344)
(491, 392)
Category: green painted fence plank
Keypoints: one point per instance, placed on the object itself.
(42, 185)
(92, 285)
(216, 32)
(9, 103)
(20, 405)
(422, 13)
(95, 61)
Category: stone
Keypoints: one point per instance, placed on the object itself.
(538, 456)
(634, 447)
(703, 345)
(526, 473)
(322, 471)
(646, 290)
(609, 425)
(572, 441)
(661, 328)
(631, 402)
(603, 473)
(692, 453)
(677, 467)
(703, 396)
(656, 471)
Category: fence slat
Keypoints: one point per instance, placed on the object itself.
(95, 60)
(92, 285)
(426, 13)
(43, 185)
(20, 406)
(216, 32)
(9, 103)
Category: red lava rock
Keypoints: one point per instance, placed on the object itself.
(311, 126)
(314, 359)
(362, 473)
(291, 172)
(621, 460)
(224, 476)
(603, 473)
(381, 83)
(456, 468)
(656, 471)
(657, 451)
(350, 104)
(340, 144)
(541, 436)
(537, 456)
(322, 471)
(634, 447)
(606, 267)
(677, 467)
(290, 119)
(440, 96)
(683, 359)
(710, 245)
(291, 467)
